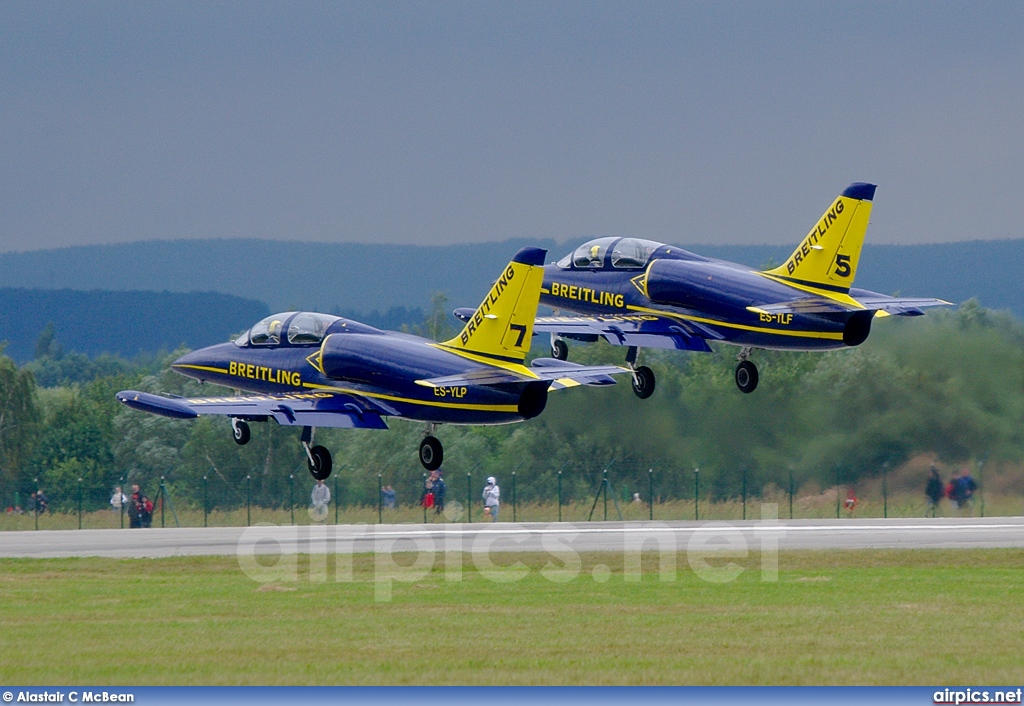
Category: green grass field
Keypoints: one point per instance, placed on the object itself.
(882, 617)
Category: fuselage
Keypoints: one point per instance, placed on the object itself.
(625, 276)
(299, 353)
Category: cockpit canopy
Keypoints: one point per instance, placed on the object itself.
(617, 253)
(298, 328)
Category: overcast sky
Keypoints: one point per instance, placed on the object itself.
(437, 123)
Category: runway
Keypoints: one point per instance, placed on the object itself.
(961, 533)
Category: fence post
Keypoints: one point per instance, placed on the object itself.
(206, 504)
(161, 502)
(79, 503)
(650, 492)
(469, 497)
(35, 503)
(696, 494)
(337, 500)
(744, 492)
(248, 500)
(837, 492)
(791, 492)
(981, 484)
(559, 496)
(291, 494)
(513, 496)
(423, 498)
(380, 499)
(121, 501)
(885, 490)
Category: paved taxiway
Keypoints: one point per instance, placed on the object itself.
(506, 536)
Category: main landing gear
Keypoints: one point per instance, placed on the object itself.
(559, 349)
(319, 458)
(431, 451)
(643, 377)
(240, 431)
(746, 372)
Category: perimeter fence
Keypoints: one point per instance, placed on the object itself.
(600, 493)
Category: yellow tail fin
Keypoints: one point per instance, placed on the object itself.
(501, 328)
(827, 258)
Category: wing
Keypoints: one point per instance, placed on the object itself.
(563, 373)
(314, 409)
(896, 306)
(643, 330)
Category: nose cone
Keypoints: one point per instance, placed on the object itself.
(201, 363)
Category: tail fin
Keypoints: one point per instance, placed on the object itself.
(827, 258)
(501, 328)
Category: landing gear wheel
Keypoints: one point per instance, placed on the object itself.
(746, 377)
(643, 382)
(559, 349)
(319, 463)
(431, 453)
(240, 432)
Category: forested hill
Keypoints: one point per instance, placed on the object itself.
(361, 278)
(123, 323)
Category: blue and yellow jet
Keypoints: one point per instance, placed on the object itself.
(638, 293)
(315, 370)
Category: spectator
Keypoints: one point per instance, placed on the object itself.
(492, 498)
(321, 497)
(118, 499)
(135, 507)
(851, 501)
(427, 497)
(440, 489)
(963, 490)
(41, 502)
(933, 490)
(146, 515)
(388, 494)
(636, 498)
(951, 491)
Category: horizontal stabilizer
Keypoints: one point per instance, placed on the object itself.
(901, 306)
(641, 330)
(314, 409)
(896, 306)
(541, 369)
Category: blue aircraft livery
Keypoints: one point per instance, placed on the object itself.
(638, 293)
(316, 370)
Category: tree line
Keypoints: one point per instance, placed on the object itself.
(951, 383)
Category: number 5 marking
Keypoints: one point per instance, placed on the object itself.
(843, 265)
(522, 332)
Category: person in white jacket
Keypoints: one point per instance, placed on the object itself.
(320, 496)
(492, 495)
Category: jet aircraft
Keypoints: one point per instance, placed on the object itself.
(639, 293)
(316, 370)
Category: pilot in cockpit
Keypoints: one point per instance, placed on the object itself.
(595, 256)
(274, 332)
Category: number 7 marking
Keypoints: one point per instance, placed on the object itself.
(522, 332)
